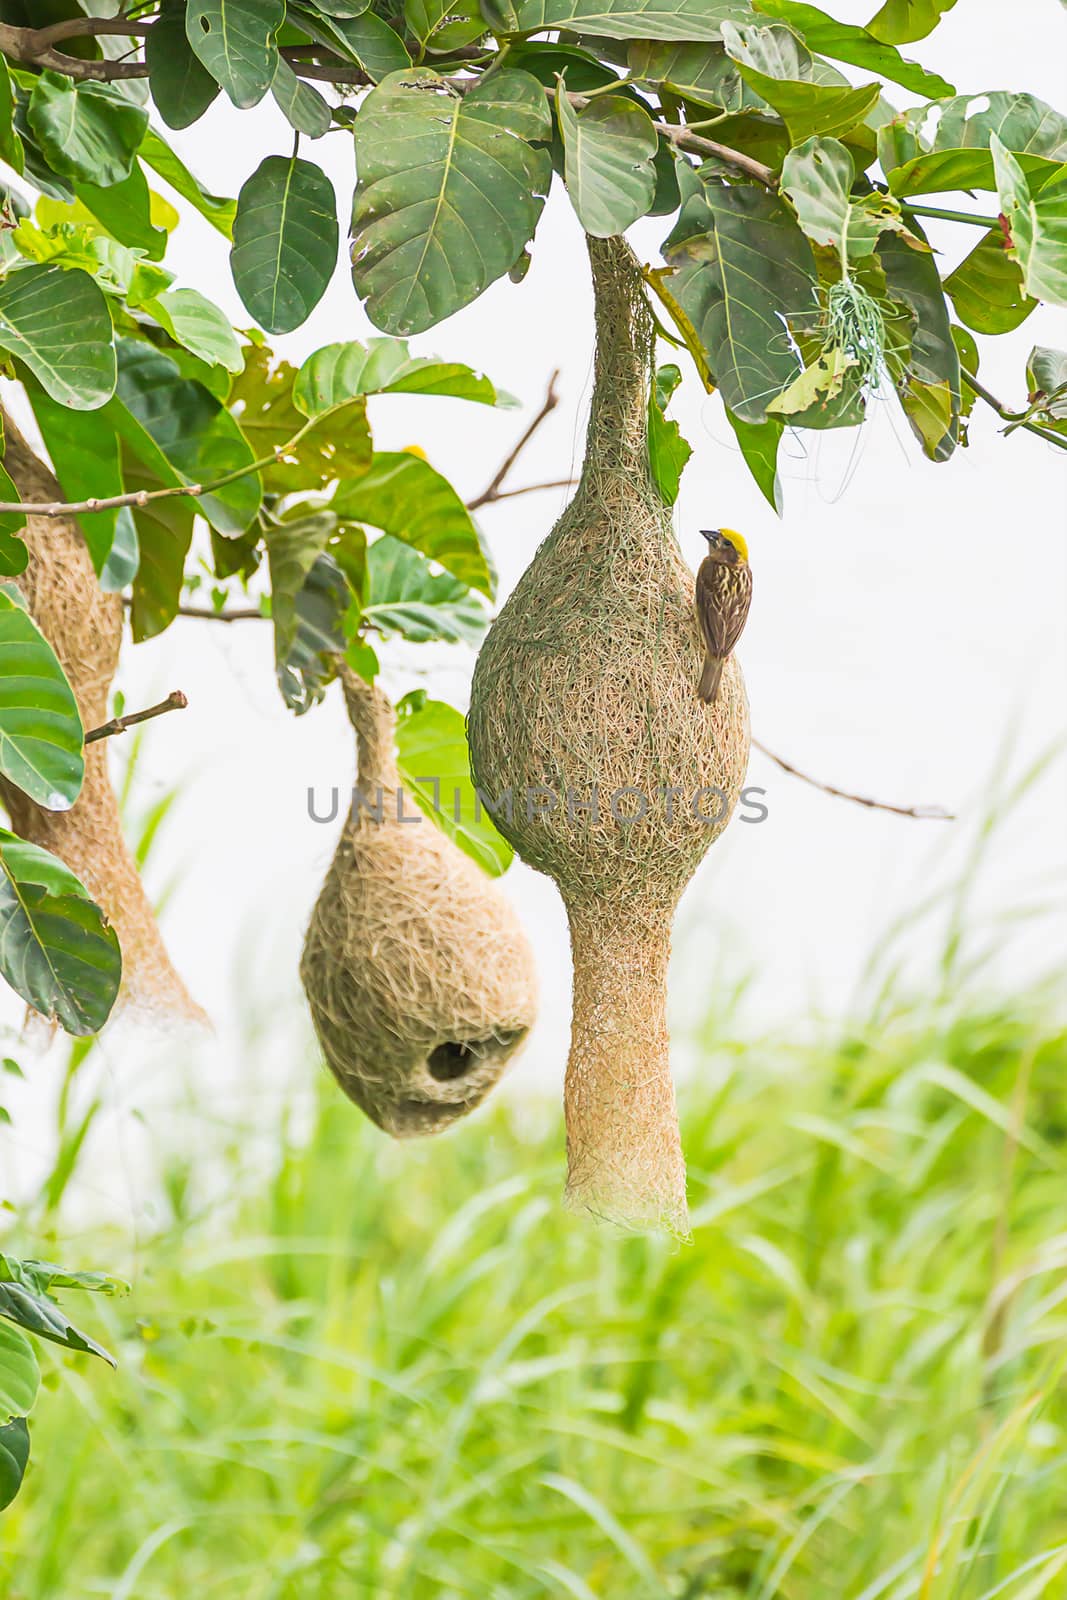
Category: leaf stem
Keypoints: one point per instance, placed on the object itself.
(1008, 415)
(944, 215)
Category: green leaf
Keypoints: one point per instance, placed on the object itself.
(404, 496)
(125, 210)
(903, 21)
(405, 597)
(85, 454)
(301, 105)
(816, 180)
(182, 88)
(704, 73)
(618, 19)
(196, 323)
(315, 607)
(777, 66)
(14, 1457)
(339, 372)
(742, 267)
(930, 386)
(58, 323)
(668, 452)
(433, 760)
(13, 552)
(759, 443)
(40, 729)
(293, 547)
(1046, 381)
(822, 381)
(39, 1314)
(20, 1375)
(608, 148)
(183, 434)
(987, 287)
(1037, 222)
(43, 1276)
(85, 130)
(449, 192)
(842, 41)
(284, 241)
(338, 446)
(235, 41)
(164, 534)
(216, 209)
(958, 156)
(377, 47)
(56, 948)
(443, 24)
(11, 148)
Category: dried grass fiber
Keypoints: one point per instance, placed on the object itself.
(420, 981)
(587, 680)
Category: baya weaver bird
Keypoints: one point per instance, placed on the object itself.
(723, 596)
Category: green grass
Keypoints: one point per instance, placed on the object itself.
(405, 1371)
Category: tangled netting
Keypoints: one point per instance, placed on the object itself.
(584, 709)
(84, 627)
(420, 981)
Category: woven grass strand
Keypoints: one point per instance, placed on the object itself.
(84, 627)
(419, 979)
(586, 685)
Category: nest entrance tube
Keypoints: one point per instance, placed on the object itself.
(419, 979)
(584, 696)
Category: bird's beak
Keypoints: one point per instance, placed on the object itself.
(710, 534)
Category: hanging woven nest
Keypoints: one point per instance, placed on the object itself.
(584, 709)
(419, 979)
(84, 627)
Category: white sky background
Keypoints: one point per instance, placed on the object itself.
(907, 619)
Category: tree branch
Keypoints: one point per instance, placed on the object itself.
(174, 702)
(492, 490)
(921, 813)
(1007, 415)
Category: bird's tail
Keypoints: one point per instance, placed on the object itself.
(710, 678)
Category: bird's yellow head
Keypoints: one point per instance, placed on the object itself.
(727, 540)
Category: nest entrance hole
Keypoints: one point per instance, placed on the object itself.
(456, 1057)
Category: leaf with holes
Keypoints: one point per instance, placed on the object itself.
(20, 1375)
(40, 730)
(608, 148)
(742, 267)
(699, 72)
(14, 1457)
(405, 597)
(56, 948)
(339, 372)
(958, 155)
(1037, 221)
(775, 64)
(618, 19)
(58, 323)
(450, 190)
(817, 178)
(843, 41)
(87, 131)
(433, 759)
(235, 40)
(285, 239)
(337, 447)
(404, 496)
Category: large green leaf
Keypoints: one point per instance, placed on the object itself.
(433, 760)
(618, 19)
(987, 287)
(958, 155)
(39, 1314)
(85, 455)
(58, 323)
(56, 948)
(198, 325)
(443, 24)
(40, 729)
(338, 446)
(700, 72)
(903, 21)
(1037, 222)
(449, 191)
(285, 239)
(817, 179)
(759, 443)
(929, 387)
(609, 148)
(365, 40)
(742, 267)
(20, 1375)
(86, 130)
(302, 105)
(843, 41)
(774, 63)
(235, 40)
(182, 87)
(668, 452)
(405, 596)
(403, 495)
(217, 209)
(14, 1457)
(183, 434)
(339, 372)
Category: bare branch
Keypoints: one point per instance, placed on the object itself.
(26, 45)
(174, 702)
(921, 813)
(527, 488)
(492, 490)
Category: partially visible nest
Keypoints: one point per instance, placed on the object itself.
(84, 627)
(419, 979)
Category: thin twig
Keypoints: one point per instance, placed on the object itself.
(1006, 415)
(491, 491)
(921, 813)
(527, 488)
(174, 702)
(210, 614)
